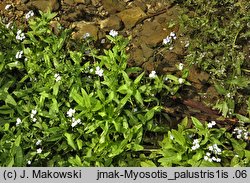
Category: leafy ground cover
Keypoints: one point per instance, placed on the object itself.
(67, 103)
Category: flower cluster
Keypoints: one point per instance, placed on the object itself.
(57, 77)
(75, 122)
(18, 121)
(210, 125)
(180, 66)
(241, 132)
(169, 39)
(196, 144)
(152, 74)
(32, 115)
(99, 71)
(29, 14)
(86, 35)
(207, 157)
(113, 33)
(214, 149)
(70, 113)
(19, 54)
(39, 151)
(20, 35)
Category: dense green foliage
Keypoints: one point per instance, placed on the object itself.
(63, 103)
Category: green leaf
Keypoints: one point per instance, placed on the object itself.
(197, 123)
(56, 88)
(19, 157)
(148, 163)
(184, 122)
(78, 98)
(224, 108)
(97, 106)
(100, 95)
(221, 90)
(138, 79)
(10, 100)
(243, 118)
(18, 140)
(79, 144)
(150, 114)
(179, 138)
(126, 78)
(138, 97)
(123, 89)
(86, 98)
(124, 101)
(70, 140)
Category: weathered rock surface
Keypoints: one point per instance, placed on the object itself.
(131, 16)
(83, 27)
(113, 6)
(113, 22)
(153, 33)
(44, 5)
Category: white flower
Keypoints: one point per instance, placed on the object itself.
(166, 40)
(238, 136)
(196, 141)
(135, 109)
(20, 36)
(152, 74)
(113, 33)
(29, 14)
(39, 151)
(246, 135)
(86, 35)
(211, 148)
(180, 80)
(210, 125)
(34, 119)
(18, 121)
(171, 137)
(205, 158)
(218, 160)
(38, 142)
(208, 154)
(91, 70)
(180, 66)
(29, 162)
(75, 122)
(34, 111)
(19, 54)
(214, 158)
(71, 112)
(194, 147)
(173, 35)
(98, 71)
(103, 41)
(7, 6)
(57, 77)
